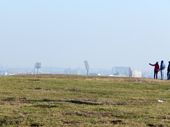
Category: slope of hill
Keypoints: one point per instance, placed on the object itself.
(70, 100)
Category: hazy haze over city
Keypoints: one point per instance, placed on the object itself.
(64, 33)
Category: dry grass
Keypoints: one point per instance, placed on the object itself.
(71, 100)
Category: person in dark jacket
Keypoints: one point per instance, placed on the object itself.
(168, 71)
(162, 67)
(156, 69)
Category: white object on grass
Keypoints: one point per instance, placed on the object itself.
(161, 101)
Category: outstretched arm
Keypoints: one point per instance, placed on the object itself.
(151, 64)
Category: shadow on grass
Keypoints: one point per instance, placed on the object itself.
(81, 102)
(9, 99)
(70, 101)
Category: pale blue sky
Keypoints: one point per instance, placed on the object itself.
(64, 33)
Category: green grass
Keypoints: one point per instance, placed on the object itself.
(64, 100)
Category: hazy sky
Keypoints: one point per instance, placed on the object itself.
(64, 33)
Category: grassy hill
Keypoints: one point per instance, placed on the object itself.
(69, 100)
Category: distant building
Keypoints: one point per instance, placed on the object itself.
(94, 74)
(137, 74)
(5, 73)
(122, 71)
(71, 72)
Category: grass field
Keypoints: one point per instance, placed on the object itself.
(83, 101)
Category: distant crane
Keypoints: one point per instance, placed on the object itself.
(87, 66)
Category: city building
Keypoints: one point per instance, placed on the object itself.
(122, 71)
(137, 74)
(72, 71)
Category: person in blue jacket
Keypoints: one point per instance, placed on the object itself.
(162, 67)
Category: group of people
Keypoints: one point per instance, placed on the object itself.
(161, 69)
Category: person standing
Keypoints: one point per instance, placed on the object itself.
(156, 69)
(168, 71)
(162, 67)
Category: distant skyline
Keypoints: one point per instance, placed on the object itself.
(65, 33)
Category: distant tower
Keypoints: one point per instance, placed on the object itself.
(87, 66)
(130, 72)
(37, 66)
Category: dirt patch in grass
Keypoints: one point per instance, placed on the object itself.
(24, 98)
(99, 122)
(15, 103)
(72, 90)
(119, 122)
(113, 122)
(71, 113)
(36, 125)
(45, 106)
(34, 80)
(156, 125)
(164, 117)
(38, 88)
(9, 99)
(161, 117)
(73, 122)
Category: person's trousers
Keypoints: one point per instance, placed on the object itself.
(155, 74)
(162, 74)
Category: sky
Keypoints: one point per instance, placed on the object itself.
(65, 33)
